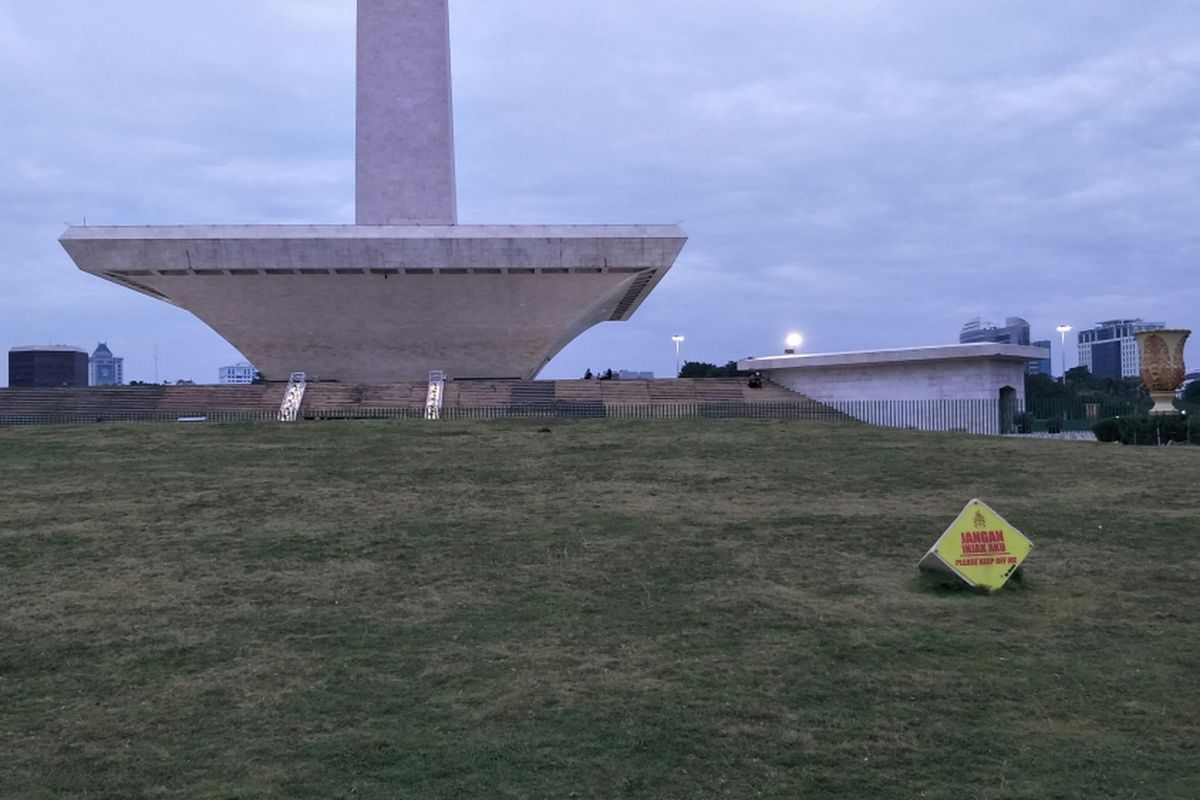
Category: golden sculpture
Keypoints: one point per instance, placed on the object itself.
(1161, 365)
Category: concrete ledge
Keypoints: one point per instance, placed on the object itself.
(168, 232)
(898, 355)
(378, 303)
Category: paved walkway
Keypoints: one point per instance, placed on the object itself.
(1067, 436)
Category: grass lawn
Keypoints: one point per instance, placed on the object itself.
(588, 609)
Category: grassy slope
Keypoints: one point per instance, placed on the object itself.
(608, 609)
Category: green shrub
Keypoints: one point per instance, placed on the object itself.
(1174, 428)
(1023, 422)
(1107, 429)
(1193, 428)
(1154, 430)
(1054, 425)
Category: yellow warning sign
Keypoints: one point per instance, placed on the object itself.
(980, 547)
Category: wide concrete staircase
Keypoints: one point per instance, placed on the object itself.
(585, 397)
(703, 397)
(115, 403)
(105, 402)
(199, 400)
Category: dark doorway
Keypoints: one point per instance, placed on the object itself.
(1008, 409)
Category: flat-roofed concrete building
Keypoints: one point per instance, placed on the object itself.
(930, 388)
(46, 367)
(406, 290)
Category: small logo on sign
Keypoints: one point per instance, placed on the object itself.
(980, 520)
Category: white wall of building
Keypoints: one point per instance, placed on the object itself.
(922, 380)
(955, 387)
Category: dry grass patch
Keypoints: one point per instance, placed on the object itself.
(611, 609)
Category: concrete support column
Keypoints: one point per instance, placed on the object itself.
(405, 124)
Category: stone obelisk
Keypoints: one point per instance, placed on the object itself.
(405, 122)
(407, 290)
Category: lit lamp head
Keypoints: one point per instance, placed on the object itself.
(793, 342)
(677, 338)
(1062, 335)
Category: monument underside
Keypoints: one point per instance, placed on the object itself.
(379, 303)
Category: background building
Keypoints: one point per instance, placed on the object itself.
(1042, 366)
(105, 369)
(1015, 331)
(1109, 349)
(240, 373)
(46, 367)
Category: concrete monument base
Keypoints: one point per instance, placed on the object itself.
(389, 303)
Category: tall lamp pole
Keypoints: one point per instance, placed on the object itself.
(677, 339)
(1062, 335)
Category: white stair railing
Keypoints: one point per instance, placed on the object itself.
(434, 394)
(289, 409)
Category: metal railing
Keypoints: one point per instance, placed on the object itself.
(972, 416)
(585, 410)
(987, 417)
(1076, 414)
(86, 417)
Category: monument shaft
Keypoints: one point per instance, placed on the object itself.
(405, 123)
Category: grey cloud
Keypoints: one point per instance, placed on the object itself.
(869, 172)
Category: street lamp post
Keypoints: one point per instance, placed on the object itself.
(1062, 334)
(677, 339)
(793, 342)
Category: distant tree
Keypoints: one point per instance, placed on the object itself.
(1128, 388)
(696, 369)
(701, 369)
(1084, 384)
(1081, 386)
(258, 377)
(1080, 378)
(1043, 387)
(1191, 393)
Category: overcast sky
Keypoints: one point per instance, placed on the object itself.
(869, 173)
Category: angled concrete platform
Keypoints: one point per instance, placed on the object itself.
(389, 303)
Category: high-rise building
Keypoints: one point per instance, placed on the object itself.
(240, 373)
(1109, 349)
(1042, 366)
(1015, 331)
(46, 367)
(105, 369)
